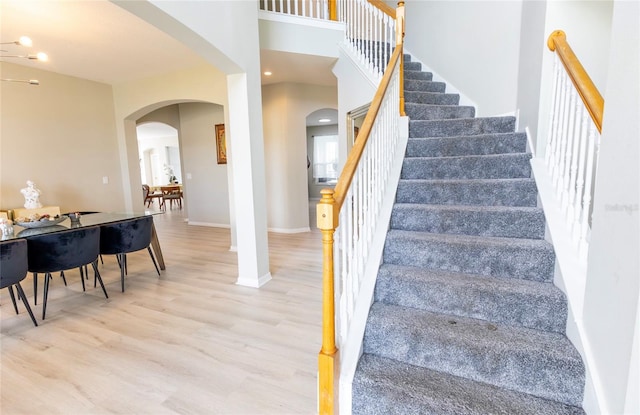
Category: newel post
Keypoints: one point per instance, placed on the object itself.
(327, 358)
(400, 43)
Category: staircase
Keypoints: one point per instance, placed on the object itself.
(465, 319)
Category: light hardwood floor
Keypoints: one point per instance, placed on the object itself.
(189, 342)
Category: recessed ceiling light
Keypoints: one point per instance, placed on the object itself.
(267, 73)
(324, 120)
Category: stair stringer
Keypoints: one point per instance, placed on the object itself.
(351, 350)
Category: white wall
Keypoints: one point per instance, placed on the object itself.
(473, 45)
(207, 190)
(532, 48)
(613, 287)
(299, 35)
(61, 135)
(285, 108)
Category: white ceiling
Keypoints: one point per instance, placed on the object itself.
(100, 41)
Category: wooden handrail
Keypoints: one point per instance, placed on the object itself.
(328, 210)
(586, 89)
(384, 7)
(344, 181)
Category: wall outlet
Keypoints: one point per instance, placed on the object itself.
(189, 177)
(105, 179)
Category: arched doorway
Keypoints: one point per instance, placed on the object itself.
(322, 155)
(159, 152)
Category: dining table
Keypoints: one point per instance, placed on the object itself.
(89, 219)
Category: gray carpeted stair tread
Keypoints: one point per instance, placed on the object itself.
(431, 98)
(530, 259)
(424, 86)
(386, 387)
(514, 302)
(412, 66)
(465, 319)
(503, 221)
(540, 363)
(494, 166)
(467, 145)
(425, 76)
(497, 192)
(461, 126)
(438, 112)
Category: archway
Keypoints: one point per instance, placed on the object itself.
(322, 130)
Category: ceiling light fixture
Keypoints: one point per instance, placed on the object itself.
(23, 41)
(324, 120)
(26, 81)
(267, 73)
(40, 56)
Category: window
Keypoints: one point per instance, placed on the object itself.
(325, 159)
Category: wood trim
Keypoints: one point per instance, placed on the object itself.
(581, 80)
(344, 181)
(333, 10)
(384, 7)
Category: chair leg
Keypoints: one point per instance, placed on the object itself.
(13, 298)
(26, 303)
(99, 278)
(82, 273)
(47, 277)
(155, 264)
(63, 278)
(123, 266)
(35, 288)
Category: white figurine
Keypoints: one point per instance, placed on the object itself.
(31, 196)
(6, 227)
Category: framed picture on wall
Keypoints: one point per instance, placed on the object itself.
(221, 144)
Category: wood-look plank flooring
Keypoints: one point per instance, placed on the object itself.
(187, 342)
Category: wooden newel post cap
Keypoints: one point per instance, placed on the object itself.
(325, 218)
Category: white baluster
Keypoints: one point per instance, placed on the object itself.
(564, 200)
(582, 167)
(594, 141)
(552, 114)
(573, 174)
(566, 105)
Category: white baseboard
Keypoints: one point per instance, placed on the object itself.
(210, 224)
(254, 282)
(289, 230)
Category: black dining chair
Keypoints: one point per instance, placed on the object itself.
(121, 238)
(13, 269)
(54, 252)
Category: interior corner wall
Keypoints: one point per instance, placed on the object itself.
(285, 107)
(473, 45)
(532, 48)
(61, 135)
